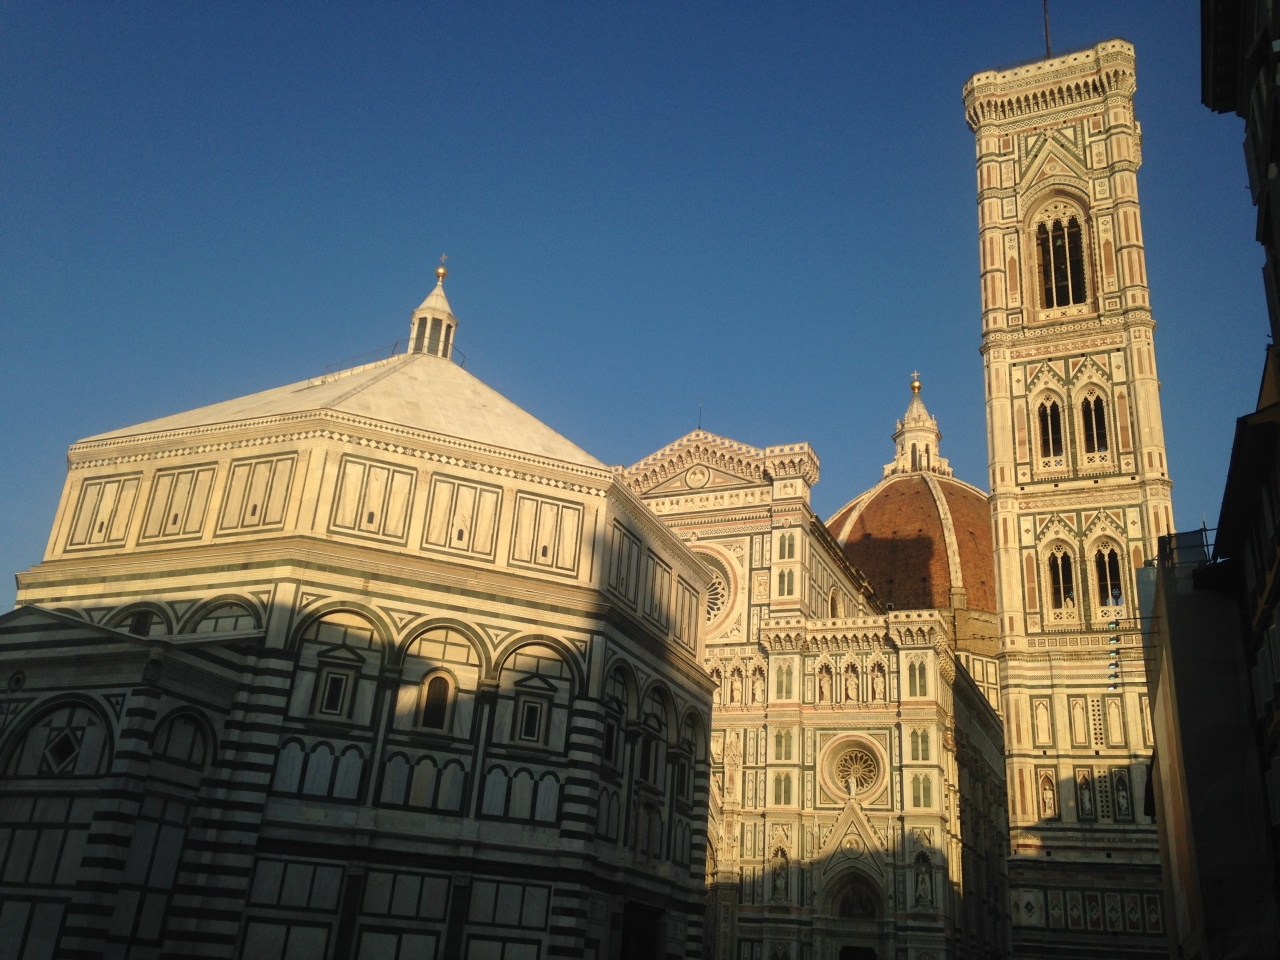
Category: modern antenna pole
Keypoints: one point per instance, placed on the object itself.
(1048, 50)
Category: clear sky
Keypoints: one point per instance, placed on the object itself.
(770, 205)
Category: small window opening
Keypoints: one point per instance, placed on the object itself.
(174, 521)
(334, 693)
(459, 533)
(610, 740)
(531, 721)
(433, 342)
(253, 511)
(433, 709)
(101, 525)
(544, 549)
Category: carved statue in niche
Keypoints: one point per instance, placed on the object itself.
(757, 685)
(877, 683)
(824, 684)
(735, 687)
(1084, 793)
(1124, 809)
(1048, 796)
(779, 870)
(924, 879)
(851, 683)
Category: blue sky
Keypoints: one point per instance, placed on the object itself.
(769, 205)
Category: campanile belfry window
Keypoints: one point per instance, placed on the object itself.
(1060, 250)
(1050, 429)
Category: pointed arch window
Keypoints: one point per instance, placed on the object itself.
(1060, 246)
(783, 681)
(782, 789)
(1107, 566)
(786, 583)
(1093, 415)
(1050, 429)
(782, 745)
(1062, 585)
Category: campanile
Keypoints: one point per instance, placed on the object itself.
(1080, 491)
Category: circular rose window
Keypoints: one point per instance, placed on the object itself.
(852, 767)
(857, 770)
(717, 597)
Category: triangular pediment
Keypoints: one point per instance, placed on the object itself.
(342, 654)
(699, 478)
(1056, 163)
(853, 837)
(723, 462)
(535, 682)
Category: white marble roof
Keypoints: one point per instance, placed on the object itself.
(414, 390)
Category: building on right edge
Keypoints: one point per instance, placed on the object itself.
(1215, 645)
(1080, 492)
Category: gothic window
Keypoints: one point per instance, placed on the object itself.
(786, 583)
(1050, 429)
(921, 791)
(435, 702)
(782, 745)
(917, 682)
(782, 788)
(1061, 253)
(787, 546)
(783, 681)
(1093, 416)
(1107, 565)
(833, 605)
(919, 744)
(1062, 585)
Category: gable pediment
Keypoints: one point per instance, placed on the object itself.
(723, 463)
(700, 478)
(1056, 163)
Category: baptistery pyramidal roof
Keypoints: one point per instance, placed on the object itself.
(423, 390)
(921, 536)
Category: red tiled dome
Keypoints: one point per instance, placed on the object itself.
(913, 548)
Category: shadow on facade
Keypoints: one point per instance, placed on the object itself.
(860, 904)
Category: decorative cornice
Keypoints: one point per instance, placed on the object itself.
(79, 456)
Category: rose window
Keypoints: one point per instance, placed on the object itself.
(717, 596)
(857, 770)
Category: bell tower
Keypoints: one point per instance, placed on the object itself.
(1080, 489)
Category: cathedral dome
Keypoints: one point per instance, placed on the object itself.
(921, 537)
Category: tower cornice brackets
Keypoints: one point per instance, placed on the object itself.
(793, 460)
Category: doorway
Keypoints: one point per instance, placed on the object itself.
(857, 953)
(641, 932)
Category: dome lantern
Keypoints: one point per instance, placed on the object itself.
(432, 327)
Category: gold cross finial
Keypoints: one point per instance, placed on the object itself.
(441, 272)
(915, 381)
